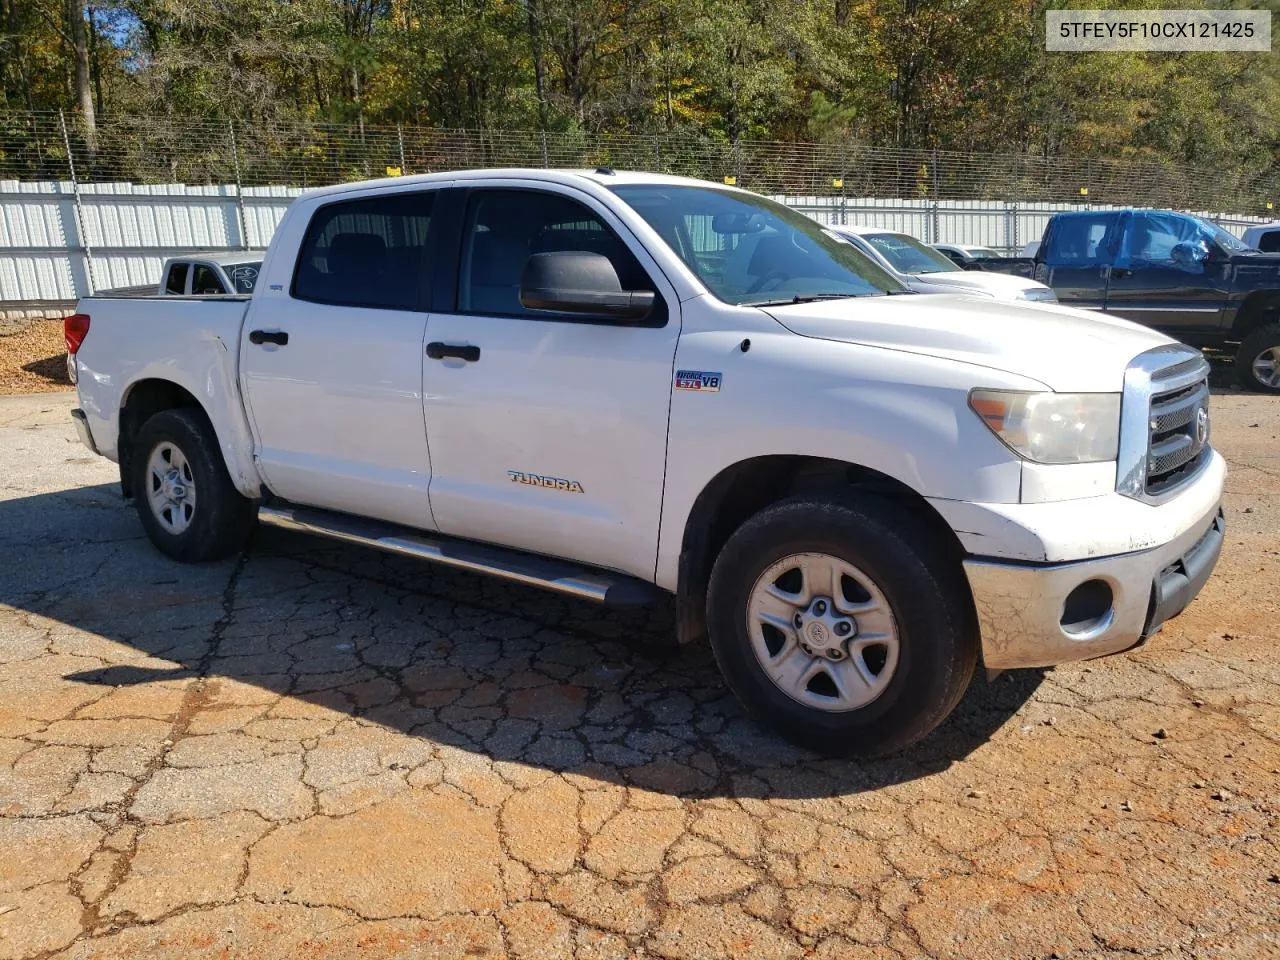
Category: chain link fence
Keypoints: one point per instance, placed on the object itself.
(50, 146)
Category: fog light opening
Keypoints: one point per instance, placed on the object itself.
(1088, 610)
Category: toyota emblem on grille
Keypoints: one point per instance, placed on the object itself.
(1202, 425)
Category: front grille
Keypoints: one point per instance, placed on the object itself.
(1164, 422)
(1178, 439)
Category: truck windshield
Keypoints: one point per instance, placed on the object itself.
(1228, 241)
(908, 255)
(751, 251)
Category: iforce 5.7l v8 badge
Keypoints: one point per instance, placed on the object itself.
(703, 381)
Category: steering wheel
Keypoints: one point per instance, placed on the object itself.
(770, 280)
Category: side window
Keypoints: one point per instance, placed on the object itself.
(1151, 238)
(370, 252)
(205, 281)
(1081, 241)
(503, 228)
(176, 282)
(1270, 242)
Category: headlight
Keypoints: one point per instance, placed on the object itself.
(1052, 427)
(1039, 293)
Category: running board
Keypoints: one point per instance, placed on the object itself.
(559, 576)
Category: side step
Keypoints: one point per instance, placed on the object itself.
(559, 576)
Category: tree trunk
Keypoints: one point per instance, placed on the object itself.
(355, 96)
(539, 69)
(96, 67)
(84, 80)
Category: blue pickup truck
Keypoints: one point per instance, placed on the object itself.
(1180, 274)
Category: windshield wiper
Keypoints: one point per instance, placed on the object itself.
(803, 298)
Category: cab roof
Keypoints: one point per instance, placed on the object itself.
(600, 176)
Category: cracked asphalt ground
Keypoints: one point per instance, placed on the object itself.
(317, 751)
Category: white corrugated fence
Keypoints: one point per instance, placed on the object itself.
(60, 241)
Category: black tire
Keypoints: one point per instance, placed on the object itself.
(925, 590)
(1261, 340)
(221, 519)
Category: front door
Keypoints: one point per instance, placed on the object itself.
(1167, 275)
(548, 432)
(332, 367)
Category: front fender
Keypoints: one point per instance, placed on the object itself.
(901, 414)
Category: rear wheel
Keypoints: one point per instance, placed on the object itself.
(185, 498)
(843, 625)
(1258, 361)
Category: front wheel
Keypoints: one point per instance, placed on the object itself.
(1258, 360)
(185, 498)
(843, 625)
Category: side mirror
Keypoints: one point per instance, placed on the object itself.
(575, 281)
(1189, 252)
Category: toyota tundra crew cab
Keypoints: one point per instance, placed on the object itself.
(622, 386)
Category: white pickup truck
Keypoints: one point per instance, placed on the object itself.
(200, 275)
(621, 386)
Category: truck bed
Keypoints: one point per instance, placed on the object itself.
(191, 341)
(1017, 266)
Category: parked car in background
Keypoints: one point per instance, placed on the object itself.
(1178, 273)
(210, 274)
(615, 386)
(966, 255)
(1265, 238)
(923, 269)
(199, 275)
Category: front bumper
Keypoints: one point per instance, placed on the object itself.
(1023, 607)
(82, 428)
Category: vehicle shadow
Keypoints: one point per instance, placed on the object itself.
(52, 369)
(499, 670)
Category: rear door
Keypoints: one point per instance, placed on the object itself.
(1078, 250)
(332, 367)
(548, 431)
(1149, 286)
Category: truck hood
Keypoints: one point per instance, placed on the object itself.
(998, 285)
(1064, 348)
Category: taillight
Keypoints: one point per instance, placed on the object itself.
(75, 328)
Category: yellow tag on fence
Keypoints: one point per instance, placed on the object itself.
(838, 184)
(731, 181)
(1084, 191)
(393, 171)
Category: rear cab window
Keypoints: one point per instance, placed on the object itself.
(244, 276)
(367, 252)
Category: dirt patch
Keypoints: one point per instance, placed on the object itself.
(34, 359)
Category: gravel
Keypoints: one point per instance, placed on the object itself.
(33, 359)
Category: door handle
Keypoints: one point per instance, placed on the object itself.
(1121, 272)
(278, 337)
(438, 351)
